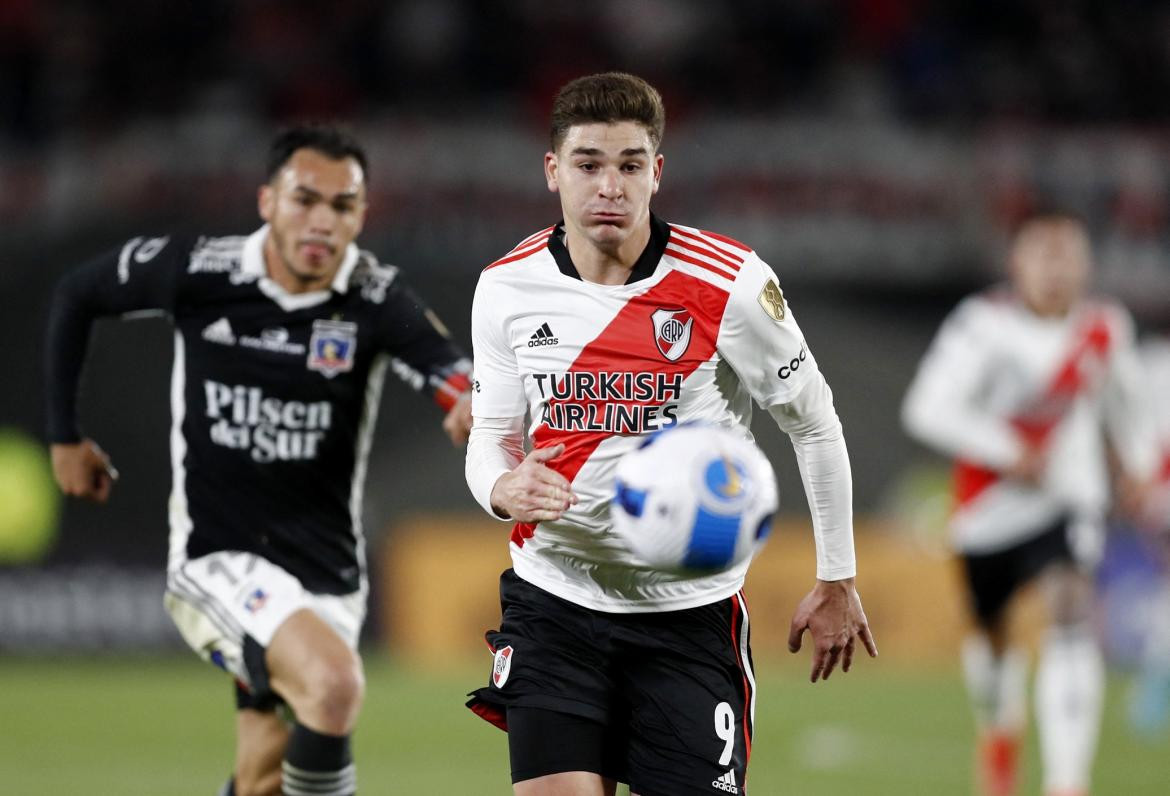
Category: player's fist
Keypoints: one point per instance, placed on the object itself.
(83, 470)
(533, 492)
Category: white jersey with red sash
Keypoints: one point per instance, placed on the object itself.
(700, 331)
(999, 379)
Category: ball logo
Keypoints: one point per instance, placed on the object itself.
(726, 480)
(672, 331)
(502, 666)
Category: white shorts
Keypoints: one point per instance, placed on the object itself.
(229, 604)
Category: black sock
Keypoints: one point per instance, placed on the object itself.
(229, 788)
(316, 764)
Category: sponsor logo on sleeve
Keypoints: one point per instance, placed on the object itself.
(793, 364)
(332, 346)
(142, 250)
(771, 298)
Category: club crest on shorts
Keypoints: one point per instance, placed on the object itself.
(672, 331)
(502, 666)
(332, 346)
(255, 600)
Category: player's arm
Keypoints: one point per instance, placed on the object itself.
(761, 340)
(507, 483)
(1129, 417)
(942, 407)
(139, 277)
(426, 357)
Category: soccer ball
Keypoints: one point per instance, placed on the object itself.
(694, 498)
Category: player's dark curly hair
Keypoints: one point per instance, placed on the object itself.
(327, 139)
(608, 97)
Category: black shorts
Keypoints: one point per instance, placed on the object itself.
(663, 701)
(993, 578)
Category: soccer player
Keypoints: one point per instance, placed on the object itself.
(282, 339)
(605, 327)
(1017, 387)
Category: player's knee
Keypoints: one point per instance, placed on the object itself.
(1070, 597)
(337, 692)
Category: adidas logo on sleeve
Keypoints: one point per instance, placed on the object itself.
(542, 336)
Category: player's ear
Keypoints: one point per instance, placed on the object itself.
(658, 161)
(550, 170)
(266, 201)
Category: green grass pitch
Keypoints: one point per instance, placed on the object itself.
(162, 727)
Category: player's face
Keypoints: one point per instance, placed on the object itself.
(605, 175)
(1050, 265)
(315, 207)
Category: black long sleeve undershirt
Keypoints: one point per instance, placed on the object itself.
(138, 276)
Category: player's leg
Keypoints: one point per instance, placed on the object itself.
(994, 671)
(261, 736)
(551, 689)
(572, 747)
(320, 677)
(232, 607)
(1070, 682)
(689, 682)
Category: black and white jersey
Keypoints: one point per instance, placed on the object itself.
(273, 395)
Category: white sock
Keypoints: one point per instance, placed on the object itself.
(997, 686)
(1070, 686)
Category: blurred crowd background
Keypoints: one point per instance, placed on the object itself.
(875, 152)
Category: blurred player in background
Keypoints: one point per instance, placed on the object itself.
(1150, 709)
(1017, 387)
(282, 339)
(605, 327)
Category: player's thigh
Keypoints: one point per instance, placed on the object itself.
(994, 579)
(691, 693)
(261, 738)
(309, 661)
(569, 783)
(555, 752)
(228, 606)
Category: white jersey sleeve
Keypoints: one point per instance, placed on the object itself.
(1128, 410)
(762, 342)
(497, 388)
(941, 407)
(760, 339)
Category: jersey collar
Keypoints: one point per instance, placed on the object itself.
(645, 265)
(252, 265)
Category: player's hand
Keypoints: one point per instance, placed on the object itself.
(83, 470)
(1029, 468)
(457, 422)
(832, 613)
(534, 492)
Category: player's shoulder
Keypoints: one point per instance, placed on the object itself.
(523, 253)
(715, 258)
(372, 278)
(212, 254)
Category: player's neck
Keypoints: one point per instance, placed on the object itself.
(604, 265)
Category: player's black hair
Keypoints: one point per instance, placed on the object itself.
(328, 139)
(608, 97)
(1048, 213)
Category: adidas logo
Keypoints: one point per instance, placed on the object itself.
(219, 332)
(542, 336)
(726, 783)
